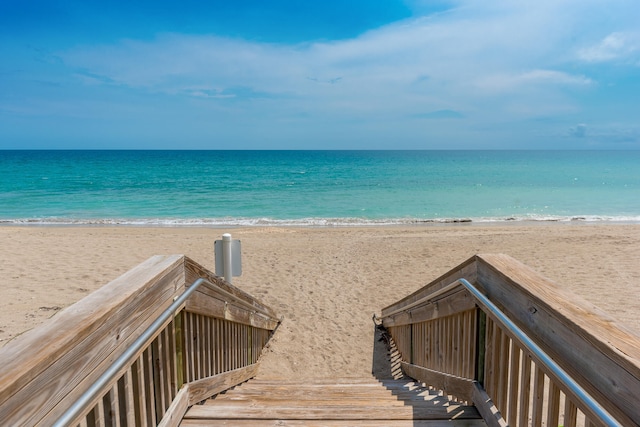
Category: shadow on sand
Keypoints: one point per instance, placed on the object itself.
(386, 359)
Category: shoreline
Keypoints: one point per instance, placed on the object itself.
(325, 281)
(319, 222)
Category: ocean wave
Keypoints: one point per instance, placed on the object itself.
(310, 222)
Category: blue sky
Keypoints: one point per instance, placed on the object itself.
(357, 74)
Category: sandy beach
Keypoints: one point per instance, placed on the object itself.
(326, 282)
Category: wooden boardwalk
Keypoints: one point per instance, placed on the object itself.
(333, 403)
(147, 348)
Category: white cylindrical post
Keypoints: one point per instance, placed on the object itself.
(226, 255)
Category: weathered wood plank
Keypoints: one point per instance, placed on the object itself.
(514, 383)
(311, 412)
(194, 271)
(207, 387)
(333, 423)
(538, 397)
(266, 401)
(553, 409)
(525, 390)
(353, 392)
(213, 304)
(332, 382)
(465, 270)
(488, 411)
(570, 414)
(178, 408)
(457, 386)
(455, 302)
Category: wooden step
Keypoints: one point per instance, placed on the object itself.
(357, 402)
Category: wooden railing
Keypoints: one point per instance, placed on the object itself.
(541, 363)
(208, 343)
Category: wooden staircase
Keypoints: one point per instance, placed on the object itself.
(332, 403)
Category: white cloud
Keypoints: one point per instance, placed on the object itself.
(615, 46)
(533, 78)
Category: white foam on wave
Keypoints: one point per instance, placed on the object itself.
(311, 222)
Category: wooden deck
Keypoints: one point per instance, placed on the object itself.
(347, 402)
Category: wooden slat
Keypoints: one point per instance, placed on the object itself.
(102, 414)
(553, 409)
(503, 383)
(178, 408)
(129, 399)
(570, 414)
(204, 388)
(470, 328)
(466, 270)
(149, 385)
(332, 412)
(485, 406)
(457, 386)
(538, 397)
(158, 380)
(209, 303)
(139, 392)
(514, 382)
(525, 390)
(332, 423)
(455, 302)
(193, 271)
(490, 374)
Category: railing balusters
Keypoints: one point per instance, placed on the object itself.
(190, 347)
(503, 388)
(525, 386)
(149, 385)
(139, 392)
(553, 410)
(514, 377)
(525, 390)
(570, 413)
(538, 397)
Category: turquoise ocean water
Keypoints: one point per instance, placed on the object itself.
(228, 188)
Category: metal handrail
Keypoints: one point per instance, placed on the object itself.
(92, 392)
(549, 363)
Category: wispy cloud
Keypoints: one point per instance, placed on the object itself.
(456, 54)
(615, 46)
(533, 78)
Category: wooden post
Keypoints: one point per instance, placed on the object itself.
(481, 346)
(179, 350)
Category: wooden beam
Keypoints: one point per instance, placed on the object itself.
(194, 271)
(213, 304)
(486, 408)
(457, 301)
(465, 270)
(462, 388)
(178, 408)
(207, 387)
